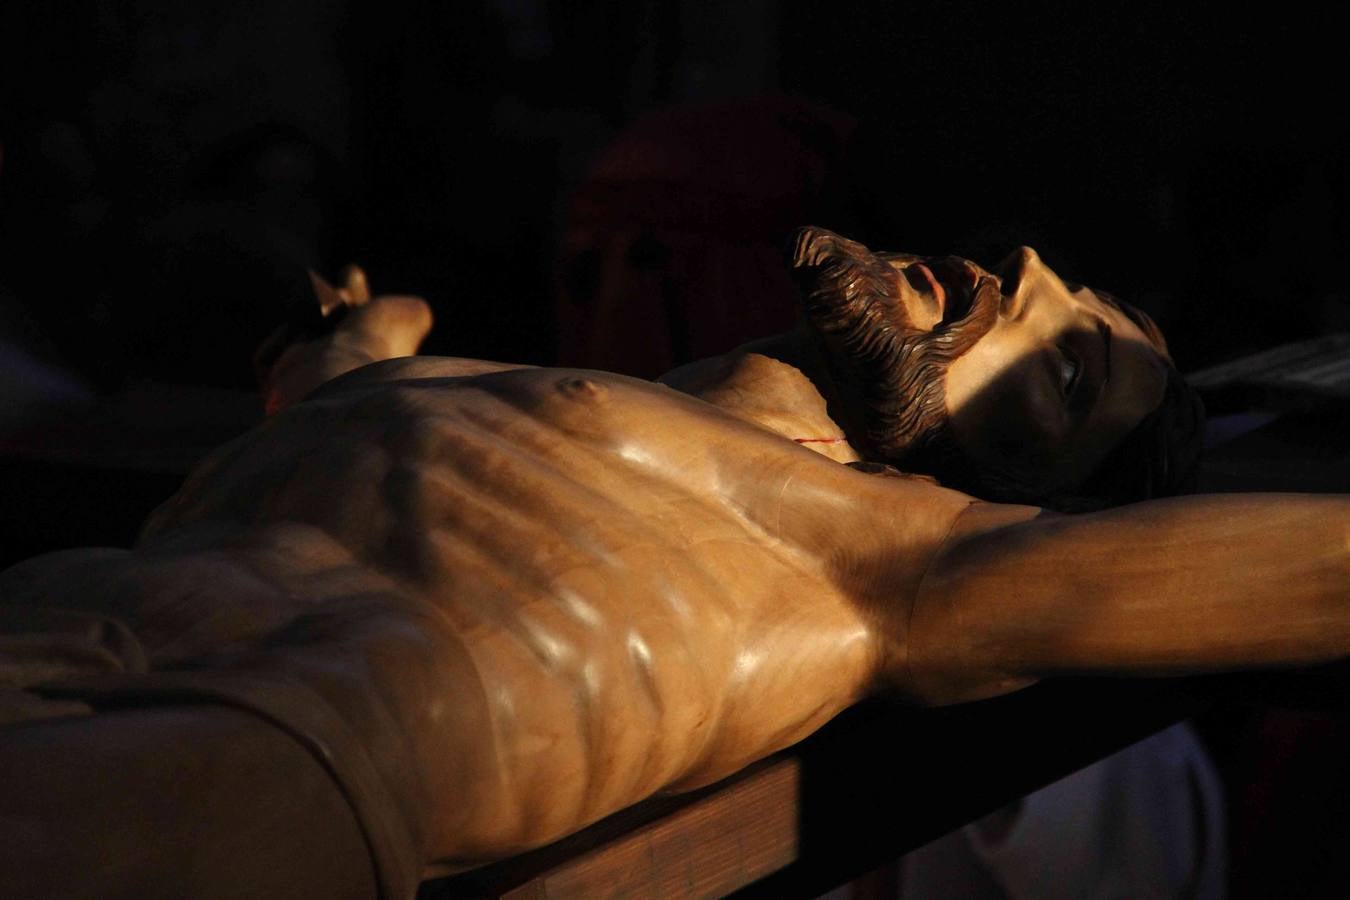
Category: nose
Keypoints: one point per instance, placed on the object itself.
(1016, 272)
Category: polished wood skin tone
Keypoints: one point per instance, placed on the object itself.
(506, 602)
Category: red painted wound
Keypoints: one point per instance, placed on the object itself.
(834, 440)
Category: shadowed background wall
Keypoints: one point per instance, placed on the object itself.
(170, 168)
(609, 184)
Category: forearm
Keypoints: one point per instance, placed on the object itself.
(199, 801)
(1190, 584)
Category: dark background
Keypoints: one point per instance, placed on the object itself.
(171, 168)
(610, 185)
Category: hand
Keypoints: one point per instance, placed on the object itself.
(344, 330)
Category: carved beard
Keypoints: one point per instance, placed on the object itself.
(890, 375)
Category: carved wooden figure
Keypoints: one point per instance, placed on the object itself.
(443, 611)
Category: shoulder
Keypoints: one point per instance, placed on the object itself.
(770, 393)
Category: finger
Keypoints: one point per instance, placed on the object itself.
(356, 286)
(328, 296)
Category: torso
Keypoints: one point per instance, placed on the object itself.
(609, 588)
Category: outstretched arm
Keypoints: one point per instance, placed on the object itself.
(1191, 584)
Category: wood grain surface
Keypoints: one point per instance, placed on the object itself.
(707, 844)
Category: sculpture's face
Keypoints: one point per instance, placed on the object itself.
(1034, 381)
(1058, 379)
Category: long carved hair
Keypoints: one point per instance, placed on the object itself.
(891, 381)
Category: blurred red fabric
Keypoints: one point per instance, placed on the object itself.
(673, 245)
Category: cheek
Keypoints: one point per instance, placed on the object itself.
(997, 392)
(1143, 381)
(1005, 425)
(971, 377)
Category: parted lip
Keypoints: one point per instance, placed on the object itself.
(922, 279)
(959, 281)
(951, 282)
